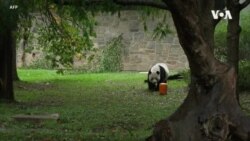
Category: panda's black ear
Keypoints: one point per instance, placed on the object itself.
(158, 72)
(149, 72)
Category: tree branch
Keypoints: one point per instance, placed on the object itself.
(151, 3)
(244, 4)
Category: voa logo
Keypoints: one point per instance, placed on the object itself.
(12, 7)
(226, 14)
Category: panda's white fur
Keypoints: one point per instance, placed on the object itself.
(156, 75)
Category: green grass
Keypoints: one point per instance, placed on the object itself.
(92, 107)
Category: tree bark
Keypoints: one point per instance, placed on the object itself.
(207, 22)
(210, 111)
(6, 83)
(233, 37)
(24, 45)
(14, 63)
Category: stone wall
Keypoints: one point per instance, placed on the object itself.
(141, 50)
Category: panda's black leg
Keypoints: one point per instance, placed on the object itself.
(158, 86)
(151, 86)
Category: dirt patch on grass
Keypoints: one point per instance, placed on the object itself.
(34, 86)
(119, 126)
(42, 102)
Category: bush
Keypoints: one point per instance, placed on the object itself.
(186, 76)
(111, 60)
(244, 36)
(41, 63)
(220, 41)
(244, 72)
(221, 34)
(221, 50)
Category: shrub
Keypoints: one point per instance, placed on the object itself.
(244, 79)
(220, 41)
(41, 63)
(111, 60)
(244, 36)
(186, 75)
(221, 50)
(221, 34)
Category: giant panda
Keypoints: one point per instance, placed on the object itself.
(157, 74)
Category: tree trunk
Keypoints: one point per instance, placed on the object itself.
(14, 67)
(233, 38)
(6, 83)
(24, 45)
(211, 111)
(207, 22)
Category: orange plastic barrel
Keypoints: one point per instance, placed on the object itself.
(163, 88)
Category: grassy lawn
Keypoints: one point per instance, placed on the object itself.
(92, 106)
